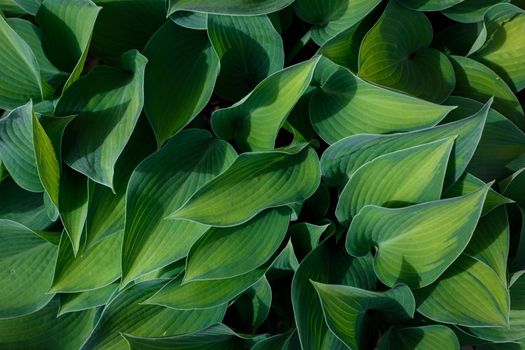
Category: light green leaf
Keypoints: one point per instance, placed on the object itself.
(429, 5)
(26, 270)
(160, 185)
(229, 7)
(43, 330)
(446, 226)
(409, 65)
(74, 302)
(419, 338)
(457, 295)
(253, 306)
(254, 182)
(249, 49)
(170, 107)
(108, 102)
(344, 309)
(126, 313)
(229, 252)
(409, 176)
(254, 122)
(344, 105)
(328, 263)
(470, 11)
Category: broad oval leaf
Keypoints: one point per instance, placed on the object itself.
(446, 226)
(470, 11)
(419, 338)
(229, 7)
(429, 5)
(74, 302)
(253, 306)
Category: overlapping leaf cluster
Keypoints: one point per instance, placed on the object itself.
(270, 174)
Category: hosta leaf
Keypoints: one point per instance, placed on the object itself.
(429, 5)
(504, 49)
(190, 19)
(445, 226)
(254, 122)
(26, 270)
(20, 6)
(457, 295)
(274, 342)
(249, 49)
(306, 237)
(126, 313)
(108, 102)
(327, 264)
(253, 306)
(415, 175)
(160, 185)
(74, 302)
(229, 7)
(345, 105)
(460, 38)
(19, 71)
(333, 16)
(233, 251)
(254, 182)
(344, 157)
(419, 338)
(513, 186)
(470, 11)
(216, 337)
(409, 66)
(170, 107)
(344, 309)
(476, 81)
(43, 330)
(123, 25)
(66, 27)
(90, 269)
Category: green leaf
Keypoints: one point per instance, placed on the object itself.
(344, 157)
(409, 65)
(446, 226)
(254, 122)
(327, 264)
(216, 337)
(253, 306)
(74, 302)
(415, 175)
(344, 105)
(229, 252)
(126, 314)
(504, 49)
(229, 7)
(44, 330)
(332, 16)
(429, 5)
(249, 49)
(20, 6)
(344, 309)
(306, 237)
(190, 19)
(108, 102)
(470, 11)
(66, 27)
(457, 295)
(26, 270)
(19, 71)
(274, 342)
(254, 182)
(476, 81)
(160, 185)
(419, 338)
(170, 107)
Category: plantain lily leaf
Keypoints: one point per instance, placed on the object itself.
(43, 330)
(327, 264)
(254, 122)
(344, 105)
(126, 314)
(123, 25)
(191, 20)
(229, 7)
(274, 342)
(344, 157)
(20, 6)
(344, 308)
(429, 5)
(170, 107)
(74, 302)
(461, 38)
(333, 16)
(476, 81)
(503, 50)
(160, 185)
(230, 252)
(415, 175)
(446, 226)
(306, 237)
(27, 263)
(513, 187)
(409, 66)
(249, 48)
(253, 306)
(419, 338)
(66, 27)
(254, 182)
(470, 11)
(457, 295)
